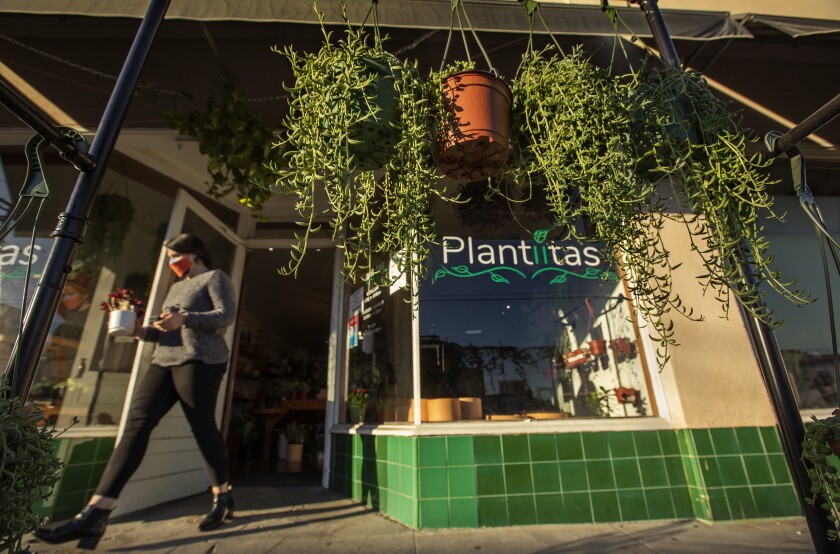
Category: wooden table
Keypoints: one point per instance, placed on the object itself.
(274, 415)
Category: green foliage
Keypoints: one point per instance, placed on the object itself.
(375, 214)
(296, 432)
(817, 457)
(29, 467)
(110, 219)
(238, 146)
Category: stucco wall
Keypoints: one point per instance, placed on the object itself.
(713, 378)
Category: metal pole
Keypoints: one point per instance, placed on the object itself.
(808, 126)
(72, 224)
(791, 428)
(38, 122)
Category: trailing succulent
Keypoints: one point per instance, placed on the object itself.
(822, 465)
(29, 467)
(372, 160)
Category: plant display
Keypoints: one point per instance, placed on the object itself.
(122, 299)
(237, 144)
(378, 206)
(296, 432)
(358, 398)
(29, 467)
(821, 463)
(110, 219)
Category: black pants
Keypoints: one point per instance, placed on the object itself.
(195, 385)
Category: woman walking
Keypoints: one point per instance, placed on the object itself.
(187, 366)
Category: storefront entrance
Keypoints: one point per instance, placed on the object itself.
(277, 393)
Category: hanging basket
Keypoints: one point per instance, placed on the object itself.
(473, 143)
(121, 323)
(597, 347)
(372, 140)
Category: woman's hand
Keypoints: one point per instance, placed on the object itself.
(169, 321)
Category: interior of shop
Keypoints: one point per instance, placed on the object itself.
(277, 393)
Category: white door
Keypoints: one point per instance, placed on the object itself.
(173, 467)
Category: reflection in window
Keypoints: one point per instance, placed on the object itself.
(528, 329)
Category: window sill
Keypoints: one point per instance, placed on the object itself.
(94, 431)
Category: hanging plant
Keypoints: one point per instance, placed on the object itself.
(819, 451)
(378, 194)
(110, 219)
(237, 144)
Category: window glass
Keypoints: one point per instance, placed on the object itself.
(83, 373)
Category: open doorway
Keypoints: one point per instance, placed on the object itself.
(277, 395)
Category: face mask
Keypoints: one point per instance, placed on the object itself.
(180, 265)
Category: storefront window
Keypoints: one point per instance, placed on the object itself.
(83, 373)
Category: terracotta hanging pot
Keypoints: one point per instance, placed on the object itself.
(626, 395)
(576, 358)
(597, 347)
(622, 349)
(473, 142)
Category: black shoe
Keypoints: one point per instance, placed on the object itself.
(222, 511)
(87, 527)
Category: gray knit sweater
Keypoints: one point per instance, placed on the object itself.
(209, 302)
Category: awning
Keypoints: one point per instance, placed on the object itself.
(793, 26)
(485, 15)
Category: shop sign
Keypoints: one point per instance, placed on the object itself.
(17, 258)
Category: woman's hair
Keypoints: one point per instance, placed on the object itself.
(190, 244)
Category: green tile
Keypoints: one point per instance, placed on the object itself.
(741, 503)
(676, 471)
(647, 443)
(600, 475)
(633, 505)
(777, 501)
(408, 481)
(492, 511)
(595, 446)
(384, 498)
(459, 451)
(627, 474)
(408, 451)
(700, 503)
(659, 503)
(432, 452)
(711, 474)
(518, 479)
(434, 514)
(546, 477)
(549, 508)
(463, 512)
(381, 442)
(82, 451)
(577, 507)
(395, 507)
(691, 467)
(685, 440)
(543, 448)
(357, 446)
(573, 476)
(605, 507)
(749, 440)
(433, 483)
(488, 449)
(732, 472)
(758, 470)
(621, 444)
(356, 489)
(725, 441)
(515, 449)
(382, 474)
(682, 502)
(779, 468)
(75, 478)
(490, 480)
(462, 481)
(703, 442)
(653, 471)
(719, 505)
(394, 449)
(522, 510)
(668, 440)
(771, 439)
(569, 446)
(104, 448)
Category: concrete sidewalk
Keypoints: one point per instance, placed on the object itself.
(311, 520)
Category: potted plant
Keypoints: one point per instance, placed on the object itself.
(822, 441)
(296, 434)
(123, 307)
(622, 349)
(110, 220)
(626, 395)
(377, 199)
(30, 467)
(358, 401)
(597, 347)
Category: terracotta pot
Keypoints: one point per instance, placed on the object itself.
(444, 409)
(473, 143)
(373, 138)
(294, 453)
(575, 358)
(622, 348)
(121, 323)
(470, 408)
(597, 347)
(424, 411)
(626, 395)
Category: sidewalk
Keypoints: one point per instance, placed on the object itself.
(311, 520)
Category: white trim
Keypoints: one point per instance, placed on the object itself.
(335, 361)
(88, 432)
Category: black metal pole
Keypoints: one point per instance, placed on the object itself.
(808, 126)
(791, 428)
(38, 122)
(72, 224)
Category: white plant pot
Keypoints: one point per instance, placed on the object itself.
(121, 323)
